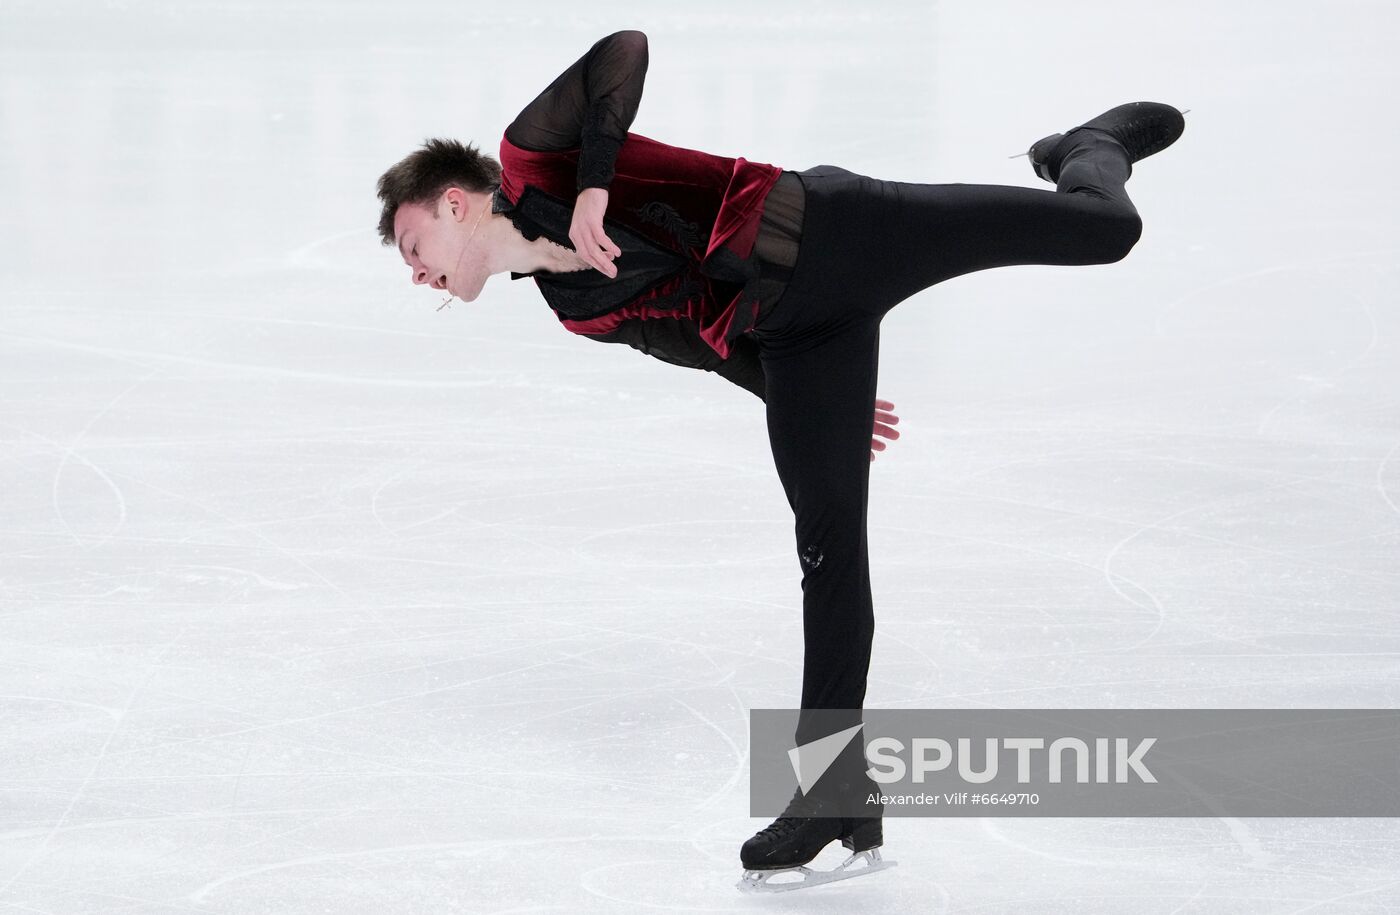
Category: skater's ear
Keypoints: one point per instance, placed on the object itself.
(453, 203)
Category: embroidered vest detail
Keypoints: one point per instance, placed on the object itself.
(688, 234)
(646, 271)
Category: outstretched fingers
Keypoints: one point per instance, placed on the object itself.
(885, 420)
(598, 250)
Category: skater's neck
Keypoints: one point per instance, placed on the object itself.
(510, 251)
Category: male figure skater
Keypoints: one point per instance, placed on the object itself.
(775, 280)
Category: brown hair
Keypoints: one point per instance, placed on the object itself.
(422, 176)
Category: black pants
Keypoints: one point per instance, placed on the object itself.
(866, 246)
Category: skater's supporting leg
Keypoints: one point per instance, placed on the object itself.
(820, 407)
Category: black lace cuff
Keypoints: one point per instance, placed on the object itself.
(597, 157)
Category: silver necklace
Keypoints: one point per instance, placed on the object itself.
(476, 225)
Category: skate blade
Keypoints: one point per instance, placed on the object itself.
(761, 881)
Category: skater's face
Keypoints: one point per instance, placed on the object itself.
(431, 237)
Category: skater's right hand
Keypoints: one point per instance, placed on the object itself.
(884, 420)
(586, 232)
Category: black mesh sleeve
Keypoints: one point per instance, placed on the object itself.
(589, 107)
(677, 342)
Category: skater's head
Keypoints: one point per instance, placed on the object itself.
(432, 201)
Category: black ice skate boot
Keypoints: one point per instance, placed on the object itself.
(1142, 128)
(806, 827)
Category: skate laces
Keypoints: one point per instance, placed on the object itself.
(799, 809)
(782, 826)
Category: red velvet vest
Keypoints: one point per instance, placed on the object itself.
(703, 207)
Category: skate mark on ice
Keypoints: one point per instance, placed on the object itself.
(201, 894)
(601, 697)
(1327, 904)
(1381, 257)
(736, 773)
(294, 557)
(70, 452)
(1011, 546)
(118, 716)
(267, 371)
(301, 256)
(1156, 525)
(1380, 478)
(415, 463)
(242, 573)
(1353, 362)
(110, 711)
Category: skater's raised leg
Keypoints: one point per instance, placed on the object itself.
(899, 238)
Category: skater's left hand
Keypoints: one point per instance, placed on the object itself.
(586, 232)
(884, 423)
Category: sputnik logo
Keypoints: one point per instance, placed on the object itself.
(811, 760)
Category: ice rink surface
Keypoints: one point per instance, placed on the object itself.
(316, 599)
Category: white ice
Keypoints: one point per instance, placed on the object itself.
(316, 599)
